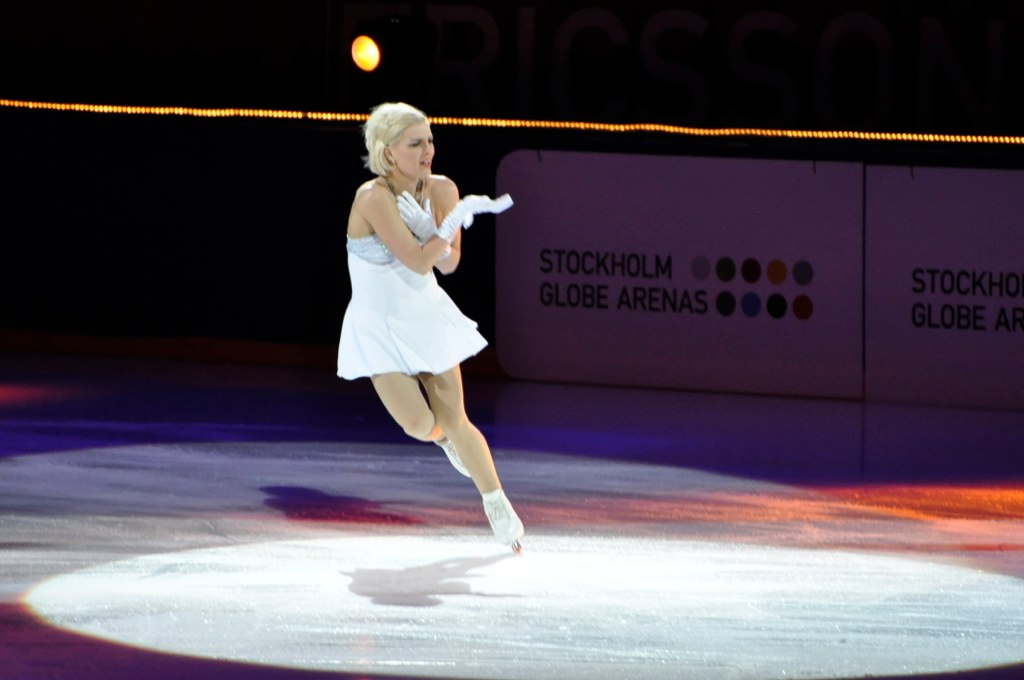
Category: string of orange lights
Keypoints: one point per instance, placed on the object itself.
(526, 124)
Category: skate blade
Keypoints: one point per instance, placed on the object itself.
(517, 547)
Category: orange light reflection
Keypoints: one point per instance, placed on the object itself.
(943, 501)
(22, 395)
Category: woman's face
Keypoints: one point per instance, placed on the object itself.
(414, 151)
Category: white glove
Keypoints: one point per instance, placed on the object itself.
(462, 214)
(419, 218)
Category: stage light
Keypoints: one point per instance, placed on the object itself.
(365, 53)
(393, 59)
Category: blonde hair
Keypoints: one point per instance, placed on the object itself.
(385, 125)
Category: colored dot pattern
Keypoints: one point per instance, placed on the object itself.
(803, 308)
(725, 269)
(776, 306)
(751, 304)
(725, 303)
(803, 273)
(751, 270)
(772, 273)
(776, 272)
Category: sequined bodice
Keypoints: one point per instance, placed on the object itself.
(370, 248)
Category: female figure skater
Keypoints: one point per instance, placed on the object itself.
(401, 329)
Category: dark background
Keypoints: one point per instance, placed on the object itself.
(169, 226)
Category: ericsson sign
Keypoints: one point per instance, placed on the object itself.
(774, 64)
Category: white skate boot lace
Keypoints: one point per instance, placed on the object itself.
(497, 512)
(504, 521)
(502, 518)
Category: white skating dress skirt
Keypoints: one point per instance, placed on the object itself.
(399, 321)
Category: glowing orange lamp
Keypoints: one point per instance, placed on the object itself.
(365, 53)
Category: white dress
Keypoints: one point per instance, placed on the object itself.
(399, 321)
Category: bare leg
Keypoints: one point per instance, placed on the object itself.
(404, 400)
(445, 416)
(444, 391)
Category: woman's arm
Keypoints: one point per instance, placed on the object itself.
(377, 207)
(444, 194)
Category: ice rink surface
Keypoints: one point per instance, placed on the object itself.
(164, 520)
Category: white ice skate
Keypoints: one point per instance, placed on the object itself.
(505, 523)
(453, 456)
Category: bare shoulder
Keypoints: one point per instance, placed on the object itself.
(369, 192)
(371, 198)
(443, 189)
(369, 201)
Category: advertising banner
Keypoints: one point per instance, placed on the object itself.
(696, 273)
(945, 286)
